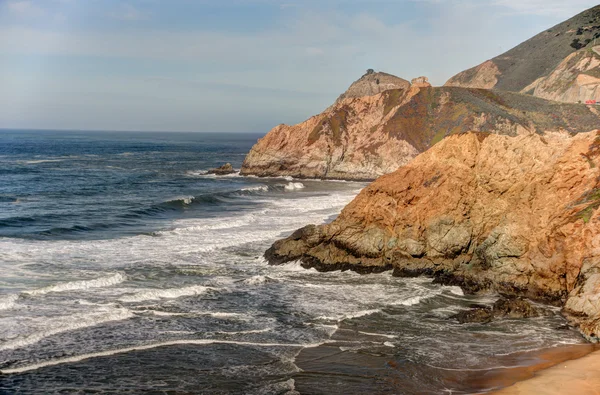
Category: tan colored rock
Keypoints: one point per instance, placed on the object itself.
(420, 82)
(484, 76)
(575, 79)
(373, 83)
(539, 59)
(518, 215)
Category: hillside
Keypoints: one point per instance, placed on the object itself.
(367, 136)
(537, 58)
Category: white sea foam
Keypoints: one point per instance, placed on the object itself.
(8, 301)
(170, 293)
(54, 326)
(378, 334)
(107, 281)
(257, 280)
(456, 290)
(292, 186)
(34, 162)
(108, 353)
(262, 188)
(412, 301)
(347, 316)
(246, 332)
(389, 344)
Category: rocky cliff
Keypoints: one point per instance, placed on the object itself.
(518, 215)
(548, 65)
(363, 137)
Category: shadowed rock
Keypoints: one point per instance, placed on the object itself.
(222, 170)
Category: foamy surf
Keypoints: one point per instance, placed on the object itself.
(54, 326)
(107, 281)
(8, 301)
(293, 186)
(171, 293)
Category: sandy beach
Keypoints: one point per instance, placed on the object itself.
(557, 376)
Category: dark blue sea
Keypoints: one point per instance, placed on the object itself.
(126, 268)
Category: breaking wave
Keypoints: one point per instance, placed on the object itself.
(172, 293)
(107, 281)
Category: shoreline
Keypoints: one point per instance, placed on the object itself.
(564, 371)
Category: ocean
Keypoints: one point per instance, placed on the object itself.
(125, 268)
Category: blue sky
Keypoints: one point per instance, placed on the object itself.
(235, 65)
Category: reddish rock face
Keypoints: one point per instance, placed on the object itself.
(518, 215)
(365, 137)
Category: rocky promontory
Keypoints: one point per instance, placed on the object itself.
(382, 122)
(515, 215)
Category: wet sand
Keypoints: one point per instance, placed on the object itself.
(329, 368)
(574, 376)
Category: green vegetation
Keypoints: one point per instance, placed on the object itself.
(392, 99)
(336, 123)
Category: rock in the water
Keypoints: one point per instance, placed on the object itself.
(222, 170)
(516, 215)
(514, 308)
(502, 308)
(476, 315)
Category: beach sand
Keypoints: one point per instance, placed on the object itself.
(575, 376)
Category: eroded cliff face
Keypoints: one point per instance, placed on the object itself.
(517, 215)
(365, 137)
(575, 79)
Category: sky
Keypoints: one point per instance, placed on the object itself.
(235, 65)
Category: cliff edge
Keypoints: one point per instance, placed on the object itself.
(517, 215)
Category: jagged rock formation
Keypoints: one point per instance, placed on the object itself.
(539, 65)
(373, 83)
(420, 82)
(518, 215)
(365, 137)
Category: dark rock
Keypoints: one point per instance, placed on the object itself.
(514, 308)
(479, 315)
(502, 308)
(222, 170)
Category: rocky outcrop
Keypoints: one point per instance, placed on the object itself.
(227, 168)
(373, 83)
(420, 82)
(516, 215)
(542, 65)
(575, 79)
(361, 138)
(502, 308)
